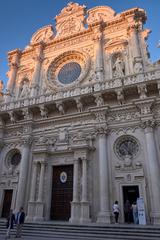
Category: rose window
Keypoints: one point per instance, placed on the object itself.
(126, 146)
(69, 72)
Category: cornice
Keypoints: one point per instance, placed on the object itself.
(70, 37)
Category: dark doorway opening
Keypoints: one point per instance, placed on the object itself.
(7, 203)
(62, 192)
(130, 195)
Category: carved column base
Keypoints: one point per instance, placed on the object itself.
(75, 212)
(85, 212)
(155, 218)
(31, 211)
(104, 217)
(39, 212)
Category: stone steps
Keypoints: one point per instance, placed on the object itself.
(66, 231)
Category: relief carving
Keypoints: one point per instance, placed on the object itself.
(70, 20)
(44, 34)
(100, 13)
(118, 67)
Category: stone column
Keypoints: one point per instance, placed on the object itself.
(21, 193)
(135, 42)
(98, 52)
(31, 204)
(14, 63)
(33, 183)
(84, 201)
(75, 204)
(41, 182)
(39, 203)
(154, 173)
(137, 63)
(104, 213)
(38, 58)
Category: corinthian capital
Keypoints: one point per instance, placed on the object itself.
(101, 130)
(148, 124)
(27, 140)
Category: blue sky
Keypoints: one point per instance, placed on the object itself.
(19, 19)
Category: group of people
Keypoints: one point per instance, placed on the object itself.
(130, 212)
(15, 219)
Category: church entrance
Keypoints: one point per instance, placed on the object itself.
(7, 203)
(62, 192)
(130, 195)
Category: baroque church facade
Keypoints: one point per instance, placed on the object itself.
(79, 122)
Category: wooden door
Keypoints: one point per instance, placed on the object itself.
(62, 192)
(7, 203)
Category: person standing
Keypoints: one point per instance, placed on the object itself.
(135, 212)
(10, 223)
(127, 211)
(116, 211)
(20, 217)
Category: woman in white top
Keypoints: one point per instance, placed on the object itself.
(116, 211)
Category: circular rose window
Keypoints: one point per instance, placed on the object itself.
(126, 146)
(69, 72)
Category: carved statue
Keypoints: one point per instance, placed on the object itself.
(138, 68)
(99, 101)
(118, 68)
(24, 89)
(61, 108)
(43, 112)
(79, 105)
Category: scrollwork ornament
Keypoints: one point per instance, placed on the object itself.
(148, 124)
(100, 116)
(27, 140)
(102, 130)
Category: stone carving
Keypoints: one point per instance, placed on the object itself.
(100, 116)
(138, 68)
(24, 89)
(44, 34)
(99, 101)
(81, 58)
(142, 90)
(43, 110)
(70, 20)
(126, 148)
(100, 13)
(60, 107)
(27, 114)
(12, 117)
(120, 96)
(118, 67)
(79, 105)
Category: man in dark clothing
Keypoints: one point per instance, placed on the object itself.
(20, 217)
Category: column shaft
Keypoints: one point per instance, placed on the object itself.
(154, 172)
(21, 193)
(33, 183)
(41, 182)
(75, 180)
(84, 180)
(98, 56)
(135, 39)
(104, 214)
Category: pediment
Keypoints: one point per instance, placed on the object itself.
(71, 20)
(115, 42)
(44, 34)
(100, 13)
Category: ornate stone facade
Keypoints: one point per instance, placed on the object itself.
(81, 108)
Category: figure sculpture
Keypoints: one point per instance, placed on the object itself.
(118, 68)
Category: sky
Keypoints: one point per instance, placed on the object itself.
(19, 19)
